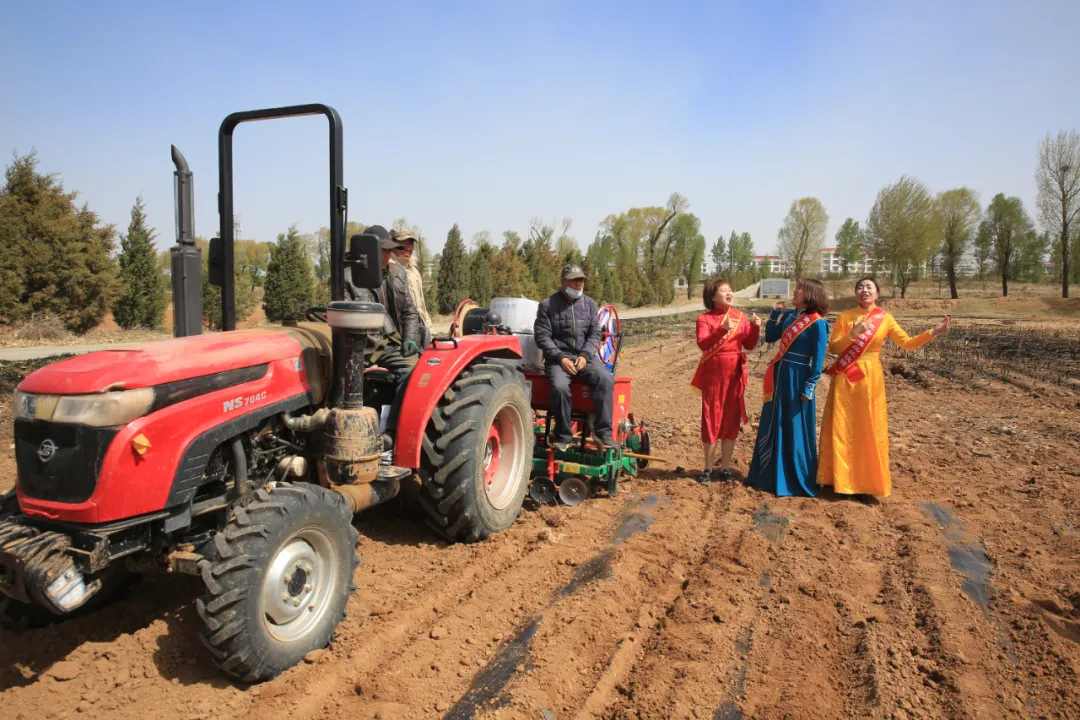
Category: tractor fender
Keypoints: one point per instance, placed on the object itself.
(435, 371)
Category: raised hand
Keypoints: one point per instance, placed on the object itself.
(755, 320)
(942, 327)
(730, 323)
(779, 305)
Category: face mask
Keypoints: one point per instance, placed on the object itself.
(575, 294)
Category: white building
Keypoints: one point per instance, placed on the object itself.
(775, 264)
(831, 263)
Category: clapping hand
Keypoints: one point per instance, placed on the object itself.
(730, 323)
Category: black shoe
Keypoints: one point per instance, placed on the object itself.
(704, 477)
(724, 475)
(606, 441)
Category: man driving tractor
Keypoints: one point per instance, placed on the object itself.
(406, 257)
(401, 342)
(401, 339)
(567, 332)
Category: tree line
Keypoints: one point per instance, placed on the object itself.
(910, 228)
(58, 258)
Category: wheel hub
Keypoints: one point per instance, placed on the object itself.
(503, 462)
(298, 581)
(491, 453)
(296, 590)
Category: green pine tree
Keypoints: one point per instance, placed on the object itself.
(289, 288)
(481, 285)
(594, 281)
(613, 290)
(453, 280)
(54, 258)
(510, 275)
(143, 293)
(244, 297)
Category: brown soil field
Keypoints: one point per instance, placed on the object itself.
(956, 597)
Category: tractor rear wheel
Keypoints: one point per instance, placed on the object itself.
(278, 581)
(477, 454)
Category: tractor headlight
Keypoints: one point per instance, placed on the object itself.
(104, 409)
(25, 405)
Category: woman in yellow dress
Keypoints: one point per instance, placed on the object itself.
(854, 454)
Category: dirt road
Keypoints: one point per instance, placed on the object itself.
(958, 596)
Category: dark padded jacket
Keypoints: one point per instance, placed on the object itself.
(566, 328)
(401, 314)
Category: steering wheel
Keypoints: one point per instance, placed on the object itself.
(315, 314)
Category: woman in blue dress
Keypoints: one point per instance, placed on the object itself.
(785, 455)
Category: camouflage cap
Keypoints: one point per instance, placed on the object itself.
(572, 272)
(402, 235)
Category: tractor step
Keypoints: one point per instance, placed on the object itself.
(392, 472)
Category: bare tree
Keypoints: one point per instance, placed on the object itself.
(803, 234)
(1058, 181)
(481, 239)
(901, 229)
(958, 214)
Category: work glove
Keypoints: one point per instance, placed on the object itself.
(410, 348)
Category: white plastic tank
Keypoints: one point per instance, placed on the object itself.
(519, 314)
(532, 358)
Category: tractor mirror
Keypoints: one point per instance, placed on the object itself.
(365, 261)
(215, 261)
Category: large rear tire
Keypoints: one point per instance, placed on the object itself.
(477, 454)
(279, 580)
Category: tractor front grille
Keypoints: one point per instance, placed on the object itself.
(59, 463)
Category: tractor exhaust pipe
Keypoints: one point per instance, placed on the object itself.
(366, 495)
(353, 444)
(186, 257)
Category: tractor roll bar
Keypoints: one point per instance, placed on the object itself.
(338, 199)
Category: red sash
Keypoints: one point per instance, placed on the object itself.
(699, 379)
(793, 331)
(846, 364)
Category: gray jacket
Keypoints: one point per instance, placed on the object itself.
(566, 328)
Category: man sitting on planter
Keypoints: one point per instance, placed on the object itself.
(567, 332)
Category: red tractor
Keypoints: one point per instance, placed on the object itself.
(242, 456)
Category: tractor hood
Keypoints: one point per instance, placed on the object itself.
(155, 363)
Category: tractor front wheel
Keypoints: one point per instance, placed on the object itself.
(278, 581)
(9, 504)
(477, 454)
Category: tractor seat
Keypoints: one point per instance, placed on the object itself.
(580, 401)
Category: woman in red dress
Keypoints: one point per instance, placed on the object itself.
(723, 334)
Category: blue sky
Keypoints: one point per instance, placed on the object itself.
(489, 114)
